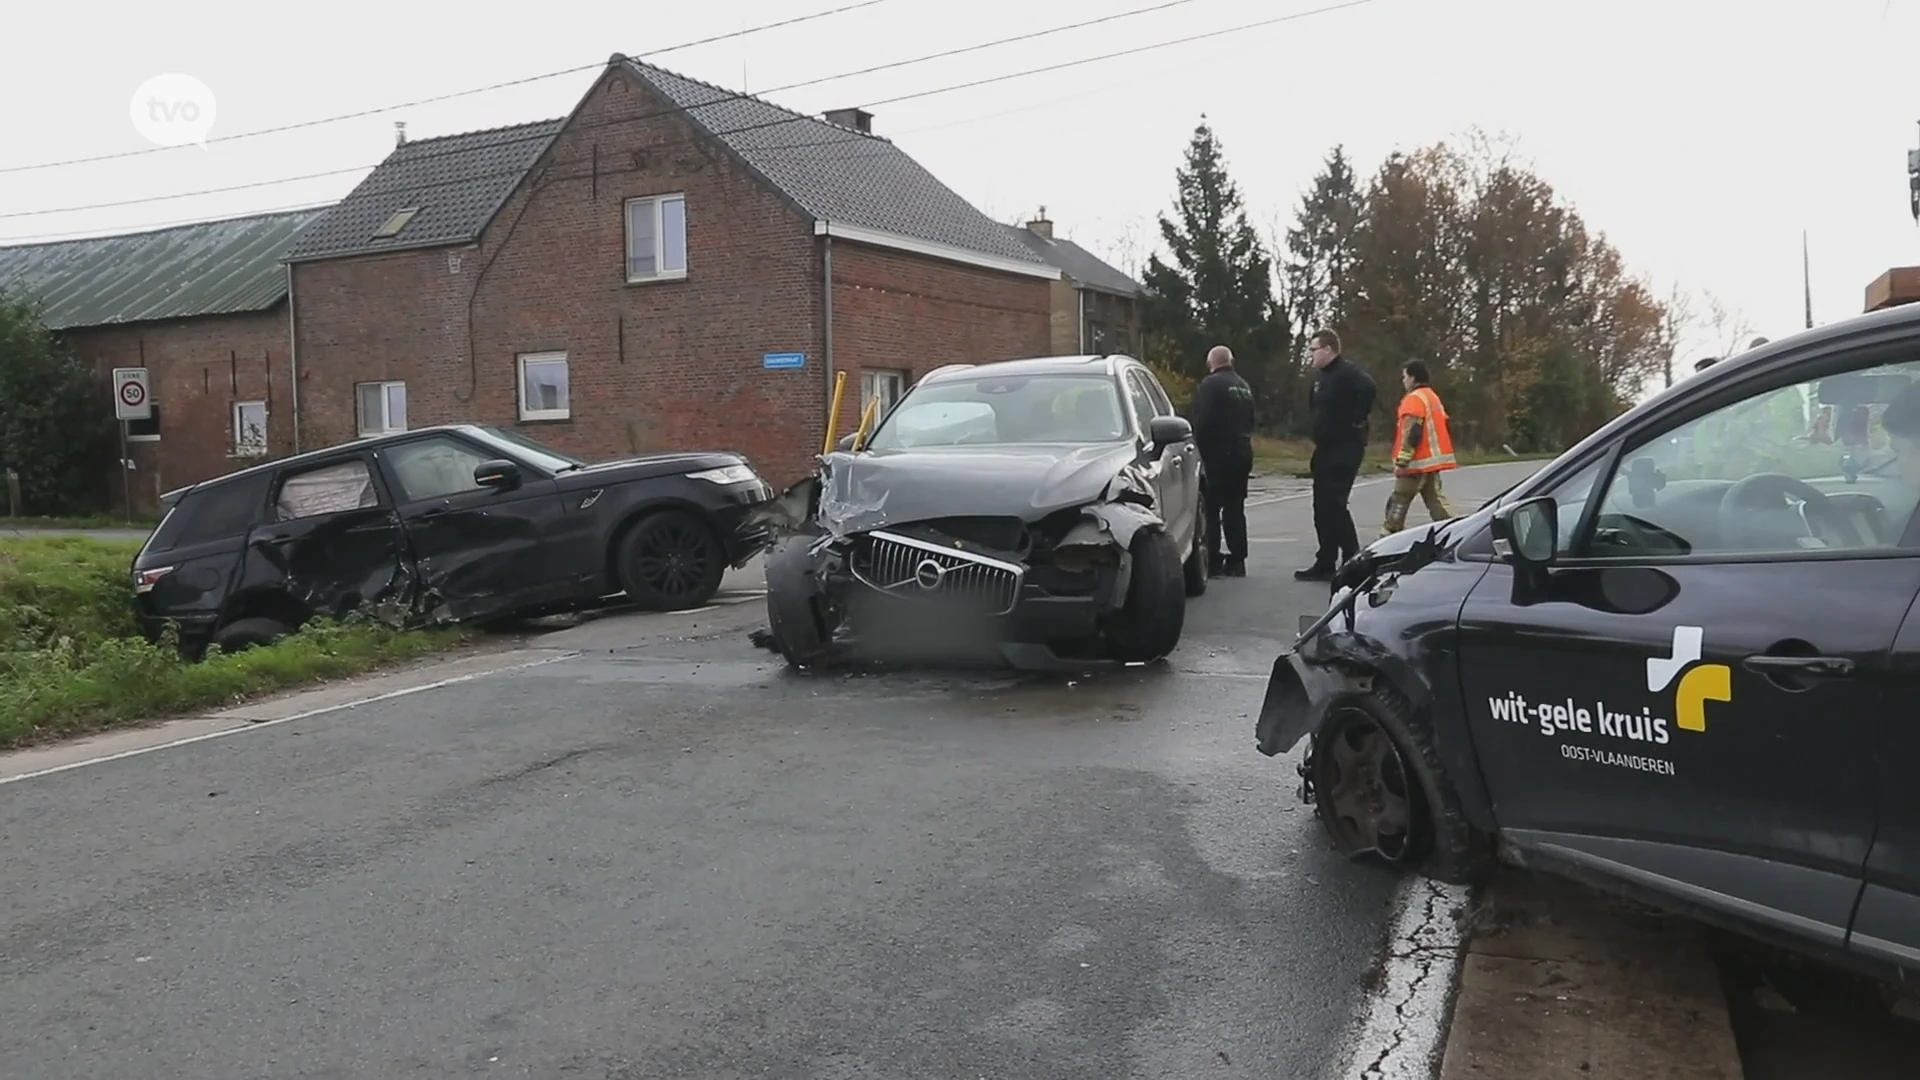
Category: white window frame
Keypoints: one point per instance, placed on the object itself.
(386, 426)
(651, 205)
(870, 380)
(242, 448)
(564, 412)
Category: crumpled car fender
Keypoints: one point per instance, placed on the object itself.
(1308, 680)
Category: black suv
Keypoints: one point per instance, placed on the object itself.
(1682, 660)
(443, 524)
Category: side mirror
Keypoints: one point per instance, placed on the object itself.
(1526, 533)
(499, 474)
(845, 444)
(1167, 430)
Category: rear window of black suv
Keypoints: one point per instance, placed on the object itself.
(225, 510)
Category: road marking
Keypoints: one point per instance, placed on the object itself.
(1308, 494)
(1273, 539)
(1400, 1029)
(252, 725)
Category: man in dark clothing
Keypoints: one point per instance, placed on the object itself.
(1341, 401)
(1223, 430)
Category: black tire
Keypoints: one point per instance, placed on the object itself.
(670, 561)
(1438, 842)
(793, 614)
(1155, 613)
(1195, 568)
(243, 634)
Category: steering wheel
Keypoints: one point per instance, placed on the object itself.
(1777, 491)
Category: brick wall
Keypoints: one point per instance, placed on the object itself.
(1063, 326)
(655, 366)
(902, 311)
(198, 370)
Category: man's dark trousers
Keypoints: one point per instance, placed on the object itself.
(1226, 493)
(1334, 469)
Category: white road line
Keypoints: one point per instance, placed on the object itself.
(308, 715)
(1400, 1030)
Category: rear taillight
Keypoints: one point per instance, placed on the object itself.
(144, 580)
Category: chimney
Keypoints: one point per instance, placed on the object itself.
(399, 133)
(1041, 225)
(859, 120)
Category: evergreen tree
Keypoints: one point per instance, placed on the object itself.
(1218, 288)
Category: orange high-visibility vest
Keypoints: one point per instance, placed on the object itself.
(1435, 451)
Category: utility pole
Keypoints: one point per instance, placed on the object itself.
(1806, 277)
(1913, 183)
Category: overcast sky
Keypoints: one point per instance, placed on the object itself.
(1701, 135)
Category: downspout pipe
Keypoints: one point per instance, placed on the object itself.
(293, 361)
(826, 325)
(1082, 327)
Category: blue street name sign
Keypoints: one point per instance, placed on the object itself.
(783, 360)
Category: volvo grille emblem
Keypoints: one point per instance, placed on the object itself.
(929, 573)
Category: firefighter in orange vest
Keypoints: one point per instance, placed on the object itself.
(1422, 449)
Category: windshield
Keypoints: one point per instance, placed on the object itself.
(539, 453)
(997, 410)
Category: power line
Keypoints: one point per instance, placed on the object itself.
(726, 96)
(784, 120)
(450, 96)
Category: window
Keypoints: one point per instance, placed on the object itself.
(147, 430)
(329, 489)
(543, 387)
(382, 407)
(883, 384)
(657, 238)
(1768, 474)
(1162, 405)
(435, 468)
(395, 223)
(223, 510)
(1142, 401)
(1004, 409)
(250, 429)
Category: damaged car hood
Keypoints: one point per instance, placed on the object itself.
(875, 488)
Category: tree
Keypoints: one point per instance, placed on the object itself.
(1218, 288)
(1321, 253)
(1465, 258)
(55, 429)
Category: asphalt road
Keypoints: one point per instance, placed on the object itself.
(669, 857)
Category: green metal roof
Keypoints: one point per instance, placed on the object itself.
(209, 268)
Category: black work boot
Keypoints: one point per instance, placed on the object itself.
(1236, 567)
(1316, 572)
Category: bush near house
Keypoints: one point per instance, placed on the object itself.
(72, 658)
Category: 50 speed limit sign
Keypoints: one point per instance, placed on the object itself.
(131, 398)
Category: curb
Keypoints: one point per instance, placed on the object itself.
(1562, 980)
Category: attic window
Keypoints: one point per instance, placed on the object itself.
(397, 222)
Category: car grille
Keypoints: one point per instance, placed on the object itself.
(912, 569)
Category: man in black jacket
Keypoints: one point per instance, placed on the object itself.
(1223, 430)
(1341, 400)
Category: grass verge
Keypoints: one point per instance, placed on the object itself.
(1290, 457)
(72, 659)
(102, 521)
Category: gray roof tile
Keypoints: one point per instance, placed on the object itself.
(837, 174)
(458, 182)
(1083, 266)
(207, 268)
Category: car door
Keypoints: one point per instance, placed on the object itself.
(331, 539)
(480, 551)
(1189, 487)
(1169, 465)
(1690, 696)
(1887, 925)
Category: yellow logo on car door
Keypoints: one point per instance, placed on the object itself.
(1699, 683)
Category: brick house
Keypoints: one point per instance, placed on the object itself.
(642, 273)
(203, 307)
(1095, 308)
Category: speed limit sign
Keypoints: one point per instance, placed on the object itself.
(131, 400)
